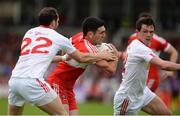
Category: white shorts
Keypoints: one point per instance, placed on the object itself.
(32, 90)
(123, 106)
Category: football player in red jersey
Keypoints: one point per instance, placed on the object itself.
(64, 76)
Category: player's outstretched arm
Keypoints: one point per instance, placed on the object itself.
(165, 65)
(92, 57)
(173, 58)
(173, 54)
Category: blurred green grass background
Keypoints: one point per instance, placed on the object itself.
(87, 108)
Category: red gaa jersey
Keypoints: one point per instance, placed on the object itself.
(67, 72)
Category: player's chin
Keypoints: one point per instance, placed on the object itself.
(99, 43)
(148, 40)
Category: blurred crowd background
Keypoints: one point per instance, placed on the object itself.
(17, 16)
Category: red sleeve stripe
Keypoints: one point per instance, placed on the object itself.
(124, 106)
(90, 47)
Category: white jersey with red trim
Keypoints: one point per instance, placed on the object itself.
(157, 45)
(39, 46)
(136, 71)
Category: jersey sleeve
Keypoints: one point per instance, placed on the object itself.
(144, 53)
(67, 46)
(149, 56)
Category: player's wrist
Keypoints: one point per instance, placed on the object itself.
(64, 57)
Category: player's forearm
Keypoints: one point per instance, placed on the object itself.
(170, 66)
(90, 57)
(84, 57)
(165, 65)
(94, 57)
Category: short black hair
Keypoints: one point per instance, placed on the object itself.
(144, 20)
(47, 15)
(91, 24)
(145, 14)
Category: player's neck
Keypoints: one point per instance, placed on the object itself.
(45, 26)
(89, 39)
(144, 42)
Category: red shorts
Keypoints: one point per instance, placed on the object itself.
(66, 95)
(153, 78)
(153, 84)
(153, 81)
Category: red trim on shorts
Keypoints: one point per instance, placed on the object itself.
(43, 85)
(124, 106)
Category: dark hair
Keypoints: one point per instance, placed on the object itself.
(145, 14)
(47, 15)
(91, 24)
(144, 20)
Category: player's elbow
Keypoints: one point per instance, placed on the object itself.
(176, 54)
(109, 73)
(173, 54)
(111, 70)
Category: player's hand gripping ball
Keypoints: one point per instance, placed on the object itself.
(105, 47)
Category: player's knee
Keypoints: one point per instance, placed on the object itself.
(168, 112)
(62, 113)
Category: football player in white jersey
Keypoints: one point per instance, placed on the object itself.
(39, 46)
(133, 95)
